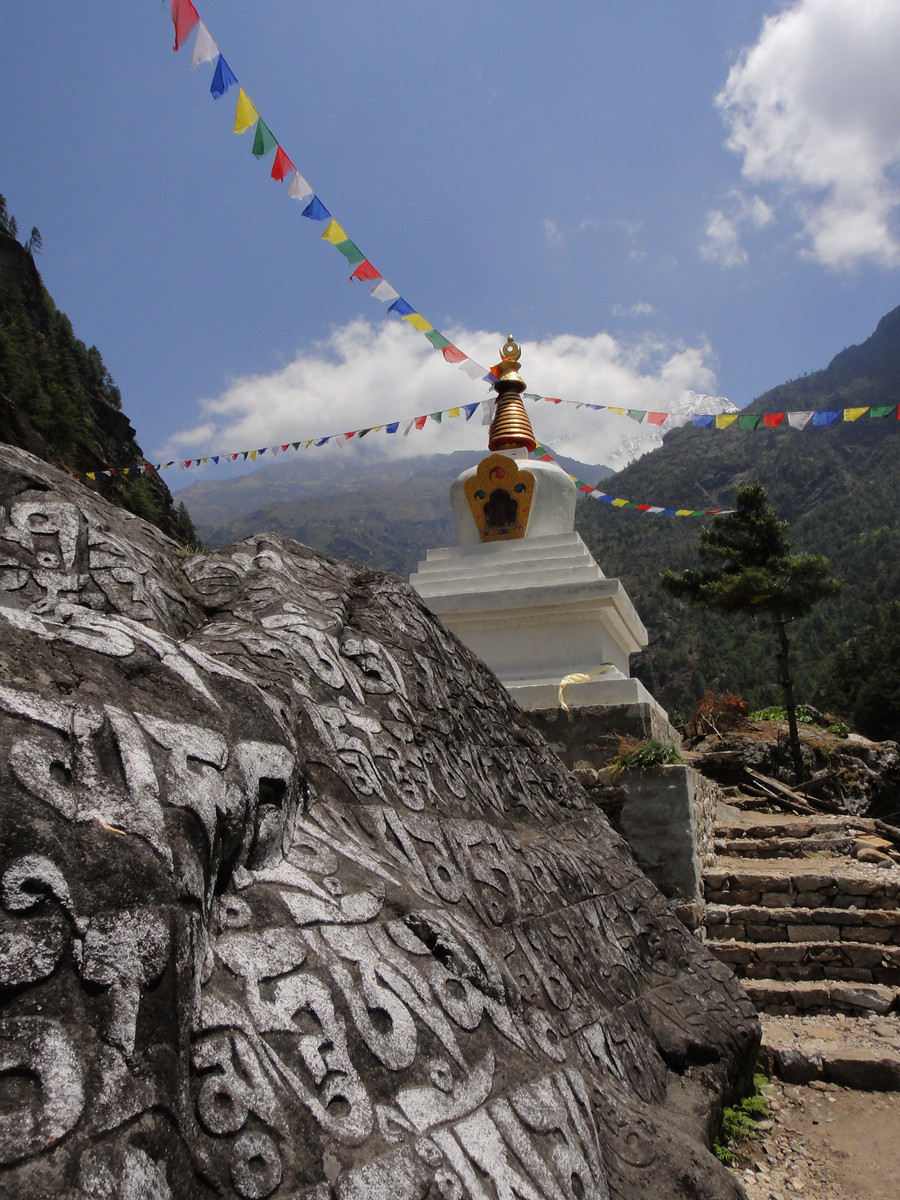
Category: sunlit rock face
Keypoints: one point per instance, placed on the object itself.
(295, 903)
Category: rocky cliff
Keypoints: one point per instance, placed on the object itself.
(58, 401)
(295, 903)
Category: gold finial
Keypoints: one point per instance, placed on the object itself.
(510, 428)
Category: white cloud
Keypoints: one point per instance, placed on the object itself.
(812, 107)
(552, 233)
(723, 243)
(369, 374)
(640, 309)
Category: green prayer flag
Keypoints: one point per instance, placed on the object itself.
(883, 410)
(263, 141)
(437, 339)
(436, 417)
(749, 420)
(637, 414)
(351, 252)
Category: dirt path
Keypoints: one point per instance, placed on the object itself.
(826, 1143)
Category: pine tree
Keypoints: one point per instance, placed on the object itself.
(752, 571)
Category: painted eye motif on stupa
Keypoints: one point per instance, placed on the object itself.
(499, 497)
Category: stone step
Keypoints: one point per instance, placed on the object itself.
(785, 847)
(852, 1052)
(786, 997)
(797, 826)
(811, 886)
(759, 923)
(845, 962)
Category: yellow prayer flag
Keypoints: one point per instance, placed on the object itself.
(684, 512)
(452, 412)
(723, 420)
(308, 442)
(418, 322)
(90, 475)
(853, 414)
(618, 503)
(376, 428)
(334, 233)
(253, 456)
(246, 114)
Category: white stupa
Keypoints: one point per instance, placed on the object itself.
(520, 588)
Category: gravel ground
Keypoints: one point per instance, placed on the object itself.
(826, 1143)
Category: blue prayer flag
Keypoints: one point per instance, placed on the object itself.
(223, 78)
(316, 210)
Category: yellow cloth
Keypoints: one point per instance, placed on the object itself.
(334, 233)
(246, 114)
(853, 414)
(418, 322)
(723, 420)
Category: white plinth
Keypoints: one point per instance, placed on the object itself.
(536, 610)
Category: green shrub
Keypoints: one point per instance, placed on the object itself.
(774, 713)
(739, 1123)
(646, 757)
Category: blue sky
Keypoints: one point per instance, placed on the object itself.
(652, 197)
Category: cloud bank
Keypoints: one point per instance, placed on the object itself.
(368, 374)
(813, 109)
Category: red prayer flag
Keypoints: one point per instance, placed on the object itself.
(772, 419)
(452, 355)
(365, 270)
(420, 422)
(553, 400)
(642, 507)
(656, 418)
(184, 18)
(282, 165)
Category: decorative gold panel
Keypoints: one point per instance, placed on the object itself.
(500, 496)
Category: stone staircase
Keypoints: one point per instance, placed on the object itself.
(813, 931)
(807, 926)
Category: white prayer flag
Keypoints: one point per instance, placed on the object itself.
(298, 188)
(473, 369)
(383, 291)
(205, 49)
(799, 420)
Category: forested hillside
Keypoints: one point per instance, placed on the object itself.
(836, 485)
(58, 400)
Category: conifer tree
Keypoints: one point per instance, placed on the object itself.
(751, 570)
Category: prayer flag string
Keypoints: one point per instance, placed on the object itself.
(185, 18)
(544, 454)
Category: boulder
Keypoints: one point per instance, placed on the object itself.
(294, 902)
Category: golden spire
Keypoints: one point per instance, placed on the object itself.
(510, 428)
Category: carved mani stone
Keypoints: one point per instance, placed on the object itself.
(295, 903)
